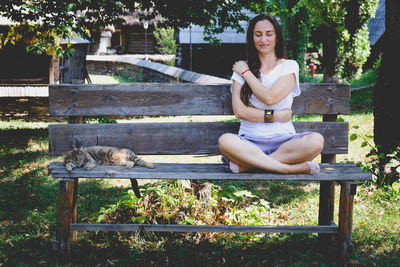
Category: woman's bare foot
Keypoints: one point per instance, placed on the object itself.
(314, 167)
(235, 168)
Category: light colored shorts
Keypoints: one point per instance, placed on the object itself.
(268, 144)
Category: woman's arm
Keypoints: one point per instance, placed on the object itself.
(252, 114)
(269, 96)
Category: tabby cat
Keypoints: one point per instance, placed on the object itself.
(89, 157)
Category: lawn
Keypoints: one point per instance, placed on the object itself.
(28, 197)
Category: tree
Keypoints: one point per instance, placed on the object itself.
(41, 22)
(165, 40)
(296, 26)
(386, 112)
(340, 26)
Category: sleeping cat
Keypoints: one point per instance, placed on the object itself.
(89, 157)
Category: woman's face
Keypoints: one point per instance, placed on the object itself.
(264, 37)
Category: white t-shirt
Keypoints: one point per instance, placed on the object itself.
(261, 129)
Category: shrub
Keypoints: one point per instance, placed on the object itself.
(165, 40)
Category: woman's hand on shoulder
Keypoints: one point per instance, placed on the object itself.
(283, 115)
(240, 67)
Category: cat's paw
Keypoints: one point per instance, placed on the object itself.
(88, 167)
(130, 164)
(150, 166)
(69, 167)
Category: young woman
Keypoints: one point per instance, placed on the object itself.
(262, 96)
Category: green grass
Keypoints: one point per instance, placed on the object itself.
(109, 79)
(28, 199)
(368, 78)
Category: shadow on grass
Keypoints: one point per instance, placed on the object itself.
(165, 249)
(11, 161)
(275, 192)
(20, 138)
(28, 211)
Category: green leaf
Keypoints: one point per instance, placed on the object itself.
(188, 220)
(264, 203)
(353, 137)
(355, 127)
(340, 119)
(244, 193)
(364, 144)
(139, 219)
(100, 218)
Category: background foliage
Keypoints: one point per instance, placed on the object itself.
(166, 43)
(40, 22)
(339, 27)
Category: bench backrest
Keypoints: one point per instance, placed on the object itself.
(144, 99)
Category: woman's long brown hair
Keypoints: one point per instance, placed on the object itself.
(252, 54)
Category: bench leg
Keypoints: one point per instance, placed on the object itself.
(135, 187)
(347, 192)
(64, 216)
(326, 208)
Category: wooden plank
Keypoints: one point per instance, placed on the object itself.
(152, 99)
(209, 171)
(139, 99)
(205, 228)
(323, 98)
(174, 138)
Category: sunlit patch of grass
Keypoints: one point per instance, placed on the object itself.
(18, 124)
(109, 79)
(365, 122)
(376, 227)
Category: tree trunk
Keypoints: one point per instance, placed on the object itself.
(329, 54)
(73, 69)
(386, 110)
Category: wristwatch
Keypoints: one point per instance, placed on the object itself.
(269, 115)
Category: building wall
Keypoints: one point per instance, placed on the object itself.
(135, 40)
(17, 66)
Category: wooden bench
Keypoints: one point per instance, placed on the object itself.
(194, 138)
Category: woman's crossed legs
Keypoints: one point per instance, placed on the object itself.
(293, 156)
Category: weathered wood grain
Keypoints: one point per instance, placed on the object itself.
(345, 220)
(327, 191)
(209, 171)
(205, 228)
(152, 99)
(174, 138)
(64, 216)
